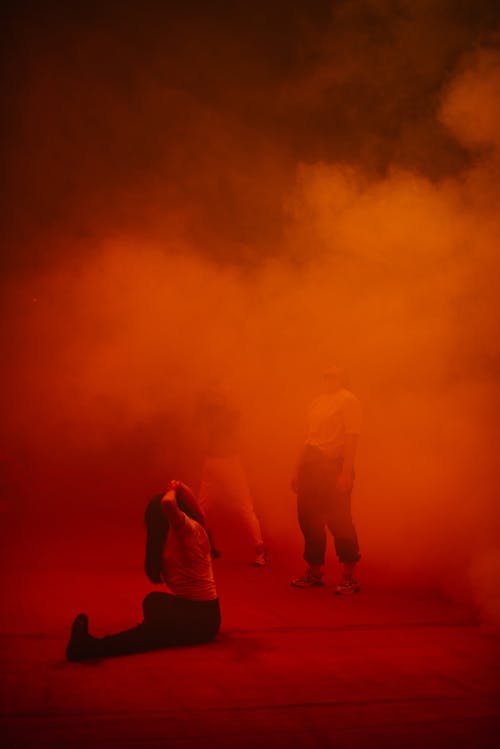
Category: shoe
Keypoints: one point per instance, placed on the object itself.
(261, 559)
(347, 586)
(79, 638)
(308, 580)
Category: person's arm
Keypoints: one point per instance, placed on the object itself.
(352, 424)
(174, 515)
(185, 490)
(346, 476)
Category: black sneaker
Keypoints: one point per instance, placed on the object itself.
(76, 650)
(347, 586)
(308, 580)
(261, 559)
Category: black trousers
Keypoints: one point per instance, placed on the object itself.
(320, 505)
(169, 621)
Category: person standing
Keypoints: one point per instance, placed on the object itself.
(324, 480)
(223, 480)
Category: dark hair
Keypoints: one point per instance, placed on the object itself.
(156, 535)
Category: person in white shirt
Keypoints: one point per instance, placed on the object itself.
(178, 554)
(324, 480)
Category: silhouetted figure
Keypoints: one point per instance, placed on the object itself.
(324, 481)
(178, 554)
(223, 480)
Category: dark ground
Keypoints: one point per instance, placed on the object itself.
(290, 668)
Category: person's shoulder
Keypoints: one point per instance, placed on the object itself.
(199, 538)
(195, 528)
(349, 397)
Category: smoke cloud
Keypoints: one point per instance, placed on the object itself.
(248, 195)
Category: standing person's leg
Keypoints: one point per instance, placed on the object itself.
(245, 506)
(207, 495)
(312, 524)
(207, 487)
(236, 492)
(340, 523)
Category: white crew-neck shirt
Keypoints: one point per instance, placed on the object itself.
(332, 416)
(187, 562)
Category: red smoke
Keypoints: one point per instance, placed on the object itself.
(170, 235)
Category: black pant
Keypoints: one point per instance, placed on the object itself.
(321, 505)
(169, 621)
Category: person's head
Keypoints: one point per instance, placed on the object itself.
(334, 378)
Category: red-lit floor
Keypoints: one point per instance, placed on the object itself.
(291, 668)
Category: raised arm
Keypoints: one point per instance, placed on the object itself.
(174, 515)
(185, 491)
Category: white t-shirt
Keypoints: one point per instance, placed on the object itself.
(331, 416)
(187, 562)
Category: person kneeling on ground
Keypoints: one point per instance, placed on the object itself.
(177, 554)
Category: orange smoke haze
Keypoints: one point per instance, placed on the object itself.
(391, 272)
